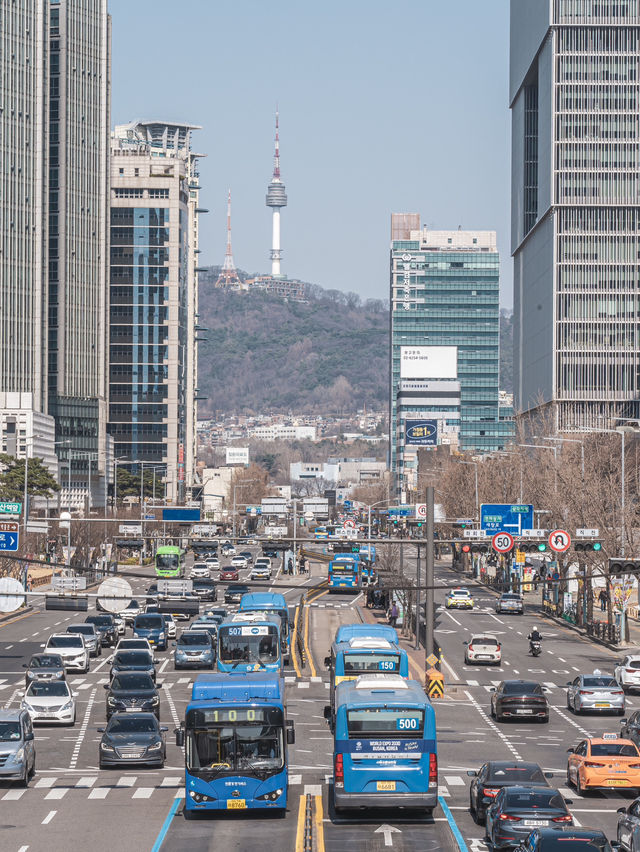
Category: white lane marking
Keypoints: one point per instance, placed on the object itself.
(23, 849)
(175, 780)
(488, 721)
(49, 817)
(454, 780)
(183, 680)
(83, 730)
(127, 781)
(179, 794)
(101, 664)
(143, 793)
(86, 781)
(454, 619)
(172, 706)
(99, 793)
(164, 665)
(57, 793)
(571, 721)
(8, 647)
(451, 671)
(549, 685)
(46, 782)
(13, 795)
(472, 683)
(313, 789)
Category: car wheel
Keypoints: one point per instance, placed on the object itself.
(579, 788)
(24, 781)
(472, 810)
(621, 712)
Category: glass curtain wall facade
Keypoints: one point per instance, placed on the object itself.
(445, 292)
(575, 98)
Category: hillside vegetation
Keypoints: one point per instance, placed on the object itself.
(262, 354)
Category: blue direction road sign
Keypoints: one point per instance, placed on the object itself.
(400, 512)
(506, 517)
(9, 536)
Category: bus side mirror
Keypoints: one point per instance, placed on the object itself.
(179, 732)
(327, 661)
(291, 734)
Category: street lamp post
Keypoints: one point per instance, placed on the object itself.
(567, 441)
(555, 456)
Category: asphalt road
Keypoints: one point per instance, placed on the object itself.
(71, 805)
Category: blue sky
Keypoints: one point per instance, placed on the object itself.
(384, 107)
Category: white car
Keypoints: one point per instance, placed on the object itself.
(133, 645)
(483, 648)
(199, 570)
(72, 648)
(627, 672)
(239, 562)
(260, 571)
(50, 701)
(171, 625)
(212, 563)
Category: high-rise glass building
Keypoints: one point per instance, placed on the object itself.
(444, 335)
(54, 132)
(575, 100)
(153, 296)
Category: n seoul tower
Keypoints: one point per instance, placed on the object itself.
(276, 198)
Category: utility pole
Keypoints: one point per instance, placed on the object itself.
(417, 646)
(429, 578)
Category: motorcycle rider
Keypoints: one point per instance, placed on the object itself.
(534, 637)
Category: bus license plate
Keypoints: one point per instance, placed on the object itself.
(386, 786)
(236, 804)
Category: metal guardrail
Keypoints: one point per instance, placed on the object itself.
(605, 631)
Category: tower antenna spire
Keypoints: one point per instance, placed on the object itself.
(276, 198)
(228, 274)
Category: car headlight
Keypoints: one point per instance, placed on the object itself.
(154, 747)
(161, 636)
(18, 757)
(111, 701)
(105, 747)
(155, 700)
(66, 706)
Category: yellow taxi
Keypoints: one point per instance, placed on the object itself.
(604, 762)
(459, 599)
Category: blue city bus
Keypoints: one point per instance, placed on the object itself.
(385, 753)
(250, 642)
(344, 573)
(381, 631)
(320, 533)
(363, 655)
(235, 735)
(267, 602)
(367, 564)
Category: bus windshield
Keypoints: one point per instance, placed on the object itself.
(244, 739)
(248, 643)
(382, 721)
(167, 561)
(355, 664)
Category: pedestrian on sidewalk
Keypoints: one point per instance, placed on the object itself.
(536, 581)
(604, 599)
(393, 614)
(29, 583)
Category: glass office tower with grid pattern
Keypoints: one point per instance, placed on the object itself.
(575, 98)
(445, 296)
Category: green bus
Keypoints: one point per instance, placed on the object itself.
(169, 561)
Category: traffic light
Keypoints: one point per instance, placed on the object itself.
(479, 548)
(466, 548)
(588, 546)
(532, 546)
(620, 565)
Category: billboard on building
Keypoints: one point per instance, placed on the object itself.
(428, 362)
(421, 433)
(237, 455)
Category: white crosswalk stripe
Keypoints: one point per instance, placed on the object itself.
(13, 795)
(454, 781)
(99, 793)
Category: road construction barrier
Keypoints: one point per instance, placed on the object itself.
(434, 683)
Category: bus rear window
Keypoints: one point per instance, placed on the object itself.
(385, 721)
(355, 664)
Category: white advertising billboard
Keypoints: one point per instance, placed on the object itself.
(428, 362)
(237, 455)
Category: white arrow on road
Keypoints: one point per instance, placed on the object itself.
(387, 830)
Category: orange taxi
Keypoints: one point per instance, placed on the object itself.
(606, 761)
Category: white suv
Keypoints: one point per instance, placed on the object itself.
(72, 648)
(262, 569)
(627, 672)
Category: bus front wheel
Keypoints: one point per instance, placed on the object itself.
(427, 812)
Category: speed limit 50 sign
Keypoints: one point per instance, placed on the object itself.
(502, 542)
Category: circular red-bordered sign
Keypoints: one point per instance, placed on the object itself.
(559, 540)
(502, 542)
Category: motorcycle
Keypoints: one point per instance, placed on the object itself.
(535, 648)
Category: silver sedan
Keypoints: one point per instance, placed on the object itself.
(596, 692)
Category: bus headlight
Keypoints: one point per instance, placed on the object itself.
(200, 797)
(275, 794)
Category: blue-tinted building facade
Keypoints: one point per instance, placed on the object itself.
(445, 294)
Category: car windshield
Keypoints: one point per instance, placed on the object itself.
(149, 622)
(460, 593)
(510, 597)
(511, 688)
(9, 731)
(132, 658)
(67, 641)
(599, 681)
(132, 681)
(621, 749)
(484, 640)
(248, 644)
(533, 799)
(54, 688)
(194, 639)
(132, 725)
(46, 661)
(575, 844)
(519, 774)
(237, 590)
(133, 605)
(133, 644)
(100, 620)
(86, 629)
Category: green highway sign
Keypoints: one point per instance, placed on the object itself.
(10, 508)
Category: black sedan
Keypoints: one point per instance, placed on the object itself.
(234, 592)
(44, 667)
(519, 699)
(517, 810)
(494, 775)
(133, 661)
(566, 840)
(630, 729)
(132, 738)
(129, 692)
